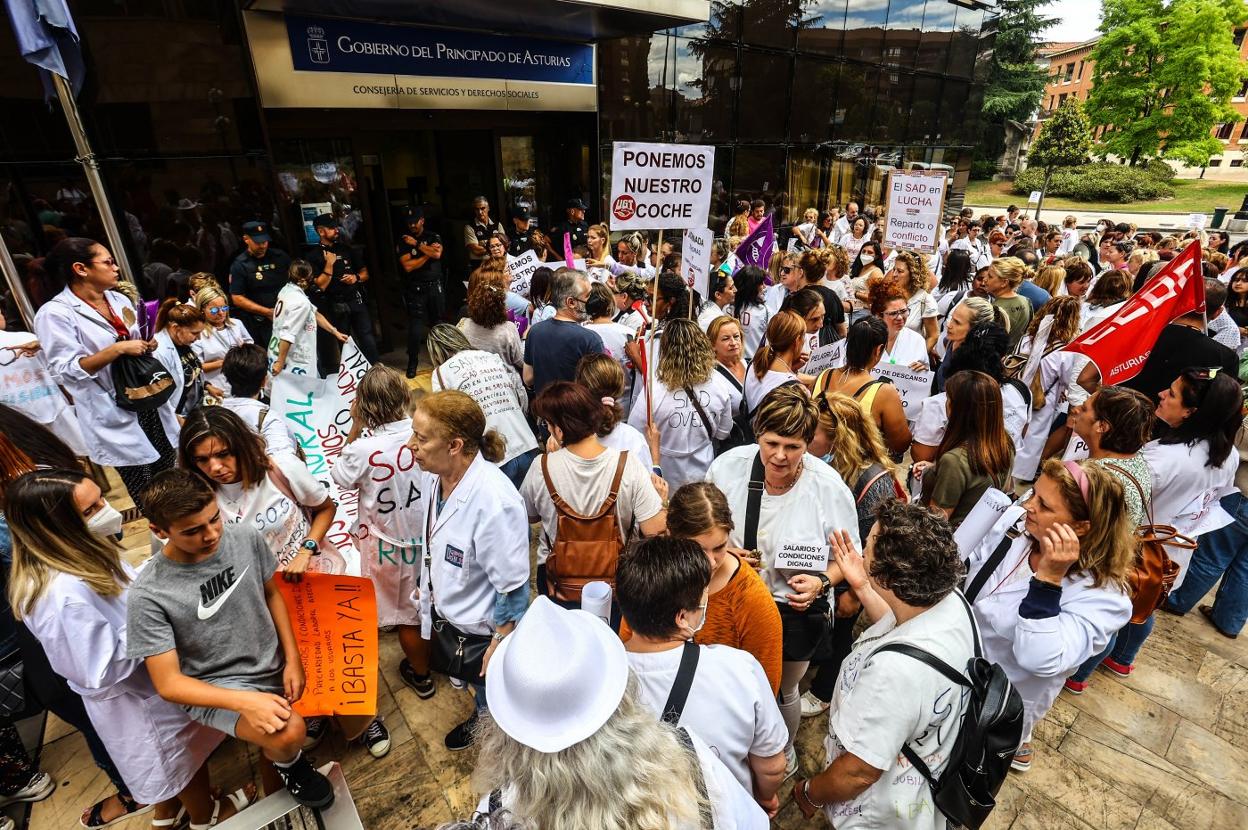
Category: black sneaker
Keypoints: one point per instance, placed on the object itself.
(462, 736)
(422, 684)
(306, 785)
(316, 729)
(377, 739)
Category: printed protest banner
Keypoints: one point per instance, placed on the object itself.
(1120, 344)
(334, 618)
(660, 186)
(831, 356)
(802, 557)
(695, 260)
(318, 413)
(522, 268)
(1076, 449)
(912, 386)
(916, 199)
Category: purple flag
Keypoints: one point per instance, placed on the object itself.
(756, 249)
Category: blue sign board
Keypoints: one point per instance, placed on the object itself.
(320, 44)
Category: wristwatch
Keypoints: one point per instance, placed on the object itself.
(825, 584)
(313, 548)
(498, 636)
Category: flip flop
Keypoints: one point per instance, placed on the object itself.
(95, 819)
(238, 798)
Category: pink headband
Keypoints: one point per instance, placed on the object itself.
(1080, 477)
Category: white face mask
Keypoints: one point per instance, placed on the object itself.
(105, 522)
(1100, 228)
(866, 259)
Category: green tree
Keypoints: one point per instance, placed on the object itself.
(1126, 90)
(1014, 83)
(1064, 141)
(1201, 71)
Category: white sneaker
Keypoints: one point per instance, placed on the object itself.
(38, 788)
(456, 683)
(790, 766)
(812, 706)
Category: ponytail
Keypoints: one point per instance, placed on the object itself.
(178, 313)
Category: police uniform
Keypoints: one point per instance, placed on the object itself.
(480, 233)
(578, 231)
(422, 294)
(342, 304)
(259, 279)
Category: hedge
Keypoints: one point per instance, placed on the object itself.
(1102, 182)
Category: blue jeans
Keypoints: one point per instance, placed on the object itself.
(1121, 648)
(517, 468)
(478, 698)
(1220, 553)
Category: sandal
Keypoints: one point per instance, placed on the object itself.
(171, 823)
(239, 799)
(95, 818)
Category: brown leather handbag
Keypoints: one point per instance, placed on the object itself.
(585, 548)
(1155, 572)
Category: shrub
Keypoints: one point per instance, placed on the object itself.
(1100, 182)
(1160, 171)
(983, 169)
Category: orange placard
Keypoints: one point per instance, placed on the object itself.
(335, 623)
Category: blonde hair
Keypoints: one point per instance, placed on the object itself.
(1143, 255)
(1011, 269)
(785, 329)
(382, 397)
(1050, 278)
(632, 774)
(197, 282)
(916, 267)
(1107, 551)
(685, 355)
(50, 537)
(459, 416)
(205, 296)
(856, 439)
(444, 342)
(838, 260)
(984, 313)
(788, 412)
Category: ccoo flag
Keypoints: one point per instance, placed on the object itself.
(756, 248)
(47, 38)
(1119, 345)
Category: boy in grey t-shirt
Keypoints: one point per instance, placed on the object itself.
(206, 616)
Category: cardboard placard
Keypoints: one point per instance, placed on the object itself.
(831, 356)
(522, 268)
(660, 186)
(912, 386)
(335, 623)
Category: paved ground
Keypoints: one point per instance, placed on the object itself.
(1165, 749)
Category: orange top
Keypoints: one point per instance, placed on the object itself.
(743, 615)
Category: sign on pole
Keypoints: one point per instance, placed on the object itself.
(1034, 198)
(521, 269)
(916, 199)
(660, 186)
(695, 260)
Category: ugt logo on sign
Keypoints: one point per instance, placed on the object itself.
(624, 207)
(318, 47)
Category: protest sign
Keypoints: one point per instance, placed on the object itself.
(318, 412)
(660, 186)
(990, 507)
(831, 356)
(335, 623)
(912, 386)
(801, 557)
(1034, 198)
(1076, 449)
(522, 268)
(1120, 344)
(695, 260)
(916, 199)
(24, 380)
(1197, 221)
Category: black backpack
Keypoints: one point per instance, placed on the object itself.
(992, 727)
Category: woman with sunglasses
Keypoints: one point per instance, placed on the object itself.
(790, 279)
(220, 335)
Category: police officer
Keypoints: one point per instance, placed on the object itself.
(340, 278)
(477, 233)
(420, 259)
(256, 276)
(523, 238)
(574, 226)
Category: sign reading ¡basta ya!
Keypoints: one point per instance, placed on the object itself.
(660, 186)
(915, 201)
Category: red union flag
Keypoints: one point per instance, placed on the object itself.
(1119, 345)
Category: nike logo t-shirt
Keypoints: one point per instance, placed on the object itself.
(213, 612)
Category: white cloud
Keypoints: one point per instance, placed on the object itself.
(1076, 20)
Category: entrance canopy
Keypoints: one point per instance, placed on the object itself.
(585, 20)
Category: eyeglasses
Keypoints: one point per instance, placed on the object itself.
(898, 314)
(217, 309)
(110, 262)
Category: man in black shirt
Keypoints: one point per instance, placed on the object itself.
(256, 276)
(340, 276)
(477, 233)
(522, 237)
(574, 226)
(420, 259)
(1181, 344)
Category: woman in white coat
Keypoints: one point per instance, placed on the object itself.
(178, 327)
(476, 567)
(221, 334)
(388, 527)
(1050, 596)
(83, 330)
(68, 585)
(689, 402)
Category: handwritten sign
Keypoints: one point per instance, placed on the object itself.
(801, 557)
(912, 386)
(1197, 221)
(335, 623)
(522, 268)
(695, 260)
(831, 356)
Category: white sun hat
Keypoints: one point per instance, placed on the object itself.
(557, 678)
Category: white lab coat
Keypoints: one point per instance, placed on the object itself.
(154, 744)
(26, 385)
(1186, 491)
(477, 546)
(1059, 371)
(70, 330)
(167, 353)
(1038, 655)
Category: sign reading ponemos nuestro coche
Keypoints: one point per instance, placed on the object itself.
(364, 64)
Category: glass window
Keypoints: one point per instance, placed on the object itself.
(933, 51)
(722, 193)
(759, 173)
(892, 107)
(634, 104)
(864, 29)
(766, 81)
(965, 43)
(855, 100)
(802, 188)
(724, 22)
(822, 27)
(705, 82)
(812, 106)
(923, 109)
(770, 22)
(901, 41)
(952, 108)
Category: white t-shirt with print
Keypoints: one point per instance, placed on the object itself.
(294, 320)
(486, 379)
(278, 438)
(584, 484)
(685, 447)
(883, 701)
(730, 704)
(264, 507)
(818, 504)
(384, 470)
(626, 437)
(754, 320)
